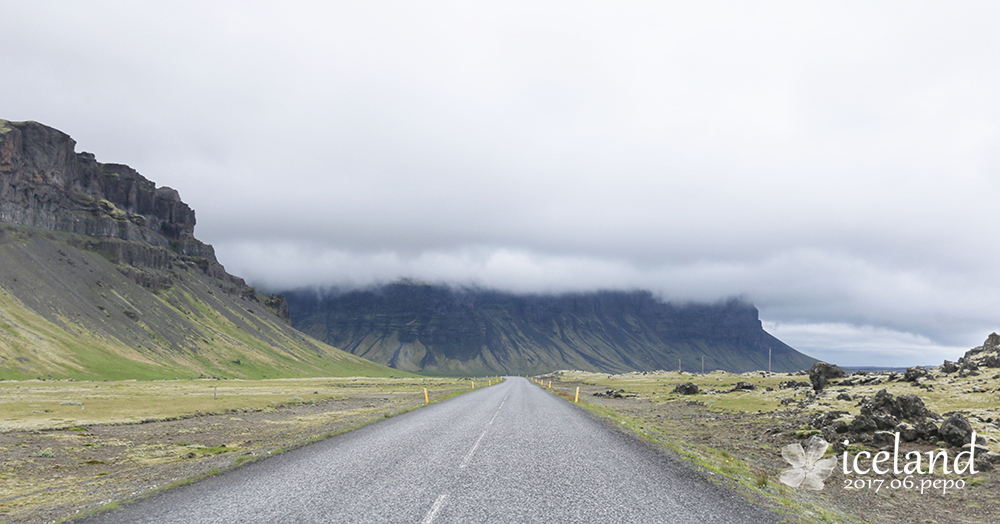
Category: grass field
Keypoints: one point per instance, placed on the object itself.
(40, 405)
(71, 447)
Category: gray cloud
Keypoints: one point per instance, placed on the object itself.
(833, 163)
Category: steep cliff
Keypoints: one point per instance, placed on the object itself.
(439, 330)
(101, 277)
(44, 183)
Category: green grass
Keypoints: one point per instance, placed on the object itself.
(43, 404)
(188, 330)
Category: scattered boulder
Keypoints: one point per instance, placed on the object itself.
(907, 433)
(881, 439)
(822, 420)
(911, 407)
(687, 388)
(912, 374)
(787, 384)
(744, 386)
(968, 363)
(863, 378)
(885, 421)
(949, 367)
(612, 393)
(883, 403)
(821, 373)
(927, 430)
(862, 424)
(844, 396)
(980, 448)
(956, 430)
(966, 372)
(885, 413)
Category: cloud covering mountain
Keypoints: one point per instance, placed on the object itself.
(833, 164)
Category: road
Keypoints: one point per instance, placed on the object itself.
(508, 453)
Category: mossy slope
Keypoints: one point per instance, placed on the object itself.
(66, 311)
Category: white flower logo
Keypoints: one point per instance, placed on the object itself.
(809, 469)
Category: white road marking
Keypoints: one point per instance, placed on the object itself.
(473, 450)
(438, 504)
(494, 418)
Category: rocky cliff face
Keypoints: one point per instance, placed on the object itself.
(44, 183)
(101, 277)
(434, 329)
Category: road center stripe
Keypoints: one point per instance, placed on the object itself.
(438, 504)
(473, 450)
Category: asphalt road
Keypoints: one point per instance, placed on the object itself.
(508, 453)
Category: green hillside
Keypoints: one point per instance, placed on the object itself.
(68, 312)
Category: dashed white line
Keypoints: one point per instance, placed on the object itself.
(473, 450)
(438, 504)
(494, 417)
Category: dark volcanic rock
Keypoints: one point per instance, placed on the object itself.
(949, 367)
(907, 433)
(914, 373)
(911, 407)
(862, 424)
(927, 430)
(884, 413)
(956, 430)
(687, 388)
(822, 420)
(821, 373)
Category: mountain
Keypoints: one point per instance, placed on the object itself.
(440, 330)
(101, 277)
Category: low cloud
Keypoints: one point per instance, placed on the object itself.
(850, 345)
(834, 164)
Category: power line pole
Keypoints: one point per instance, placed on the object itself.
(768, 361)
(703, 364)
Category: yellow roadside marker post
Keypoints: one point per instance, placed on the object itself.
(550, 384)
(427, 399)
(473, 384)
(577, 394)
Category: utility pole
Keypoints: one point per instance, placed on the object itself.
(768, 361)
(703, 364)
(678, 365)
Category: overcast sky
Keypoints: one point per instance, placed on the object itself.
(836, 163)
